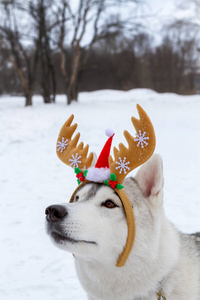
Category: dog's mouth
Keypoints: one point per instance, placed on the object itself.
(60, 237)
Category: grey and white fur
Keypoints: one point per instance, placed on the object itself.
(162, 258)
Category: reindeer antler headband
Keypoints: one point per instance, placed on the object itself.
(107, 170)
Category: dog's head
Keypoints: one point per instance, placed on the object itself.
(93, 226)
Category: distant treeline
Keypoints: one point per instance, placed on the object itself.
(51, 47)
(124, 65)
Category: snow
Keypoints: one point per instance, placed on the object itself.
(32, 177)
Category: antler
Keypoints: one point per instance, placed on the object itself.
(68, 151)
(139, 148)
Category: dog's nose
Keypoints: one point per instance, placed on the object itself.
(55, 212)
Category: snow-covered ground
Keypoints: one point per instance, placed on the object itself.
(32, 177)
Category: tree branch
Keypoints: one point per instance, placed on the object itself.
(87, 8)
(78, 22)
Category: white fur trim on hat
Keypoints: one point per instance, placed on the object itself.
(98, 174)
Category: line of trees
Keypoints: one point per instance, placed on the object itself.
(32, 32)
(48, 47)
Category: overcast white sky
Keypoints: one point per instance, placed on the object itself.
(175, 8)
(178, 9)
(164, 12)
(167, 5)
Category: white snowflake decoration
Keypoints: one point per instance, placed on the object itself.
(75, 160)
(141, 138)
(62, 145)
(122, 165)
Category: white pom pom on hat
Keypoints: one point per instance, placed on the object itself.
(109, 132)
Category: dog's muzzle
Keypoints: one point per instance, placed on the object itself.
(55, 213)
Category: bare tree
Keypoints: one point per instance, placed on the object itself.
(191, 19)
(22, 58)
(29, 43)
(174, 62)
(90, 18)
(58, 25)
(42, 14)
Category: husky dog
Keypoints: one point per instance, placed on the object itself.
(163, 263)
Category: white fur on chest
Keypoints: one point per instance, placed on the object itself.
(177, 273)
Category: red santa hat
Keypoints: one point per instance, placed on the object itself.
(101, 171)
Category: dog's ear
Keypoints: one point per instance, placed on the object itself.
(150, 176)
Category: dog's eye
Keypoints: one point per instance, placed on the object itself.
(76, 198)
(109, 204)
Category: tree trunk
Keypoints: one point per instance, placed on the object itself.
(53, 84)
(46, 97)
(28, 99)
(25, 85)
(72, 90)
